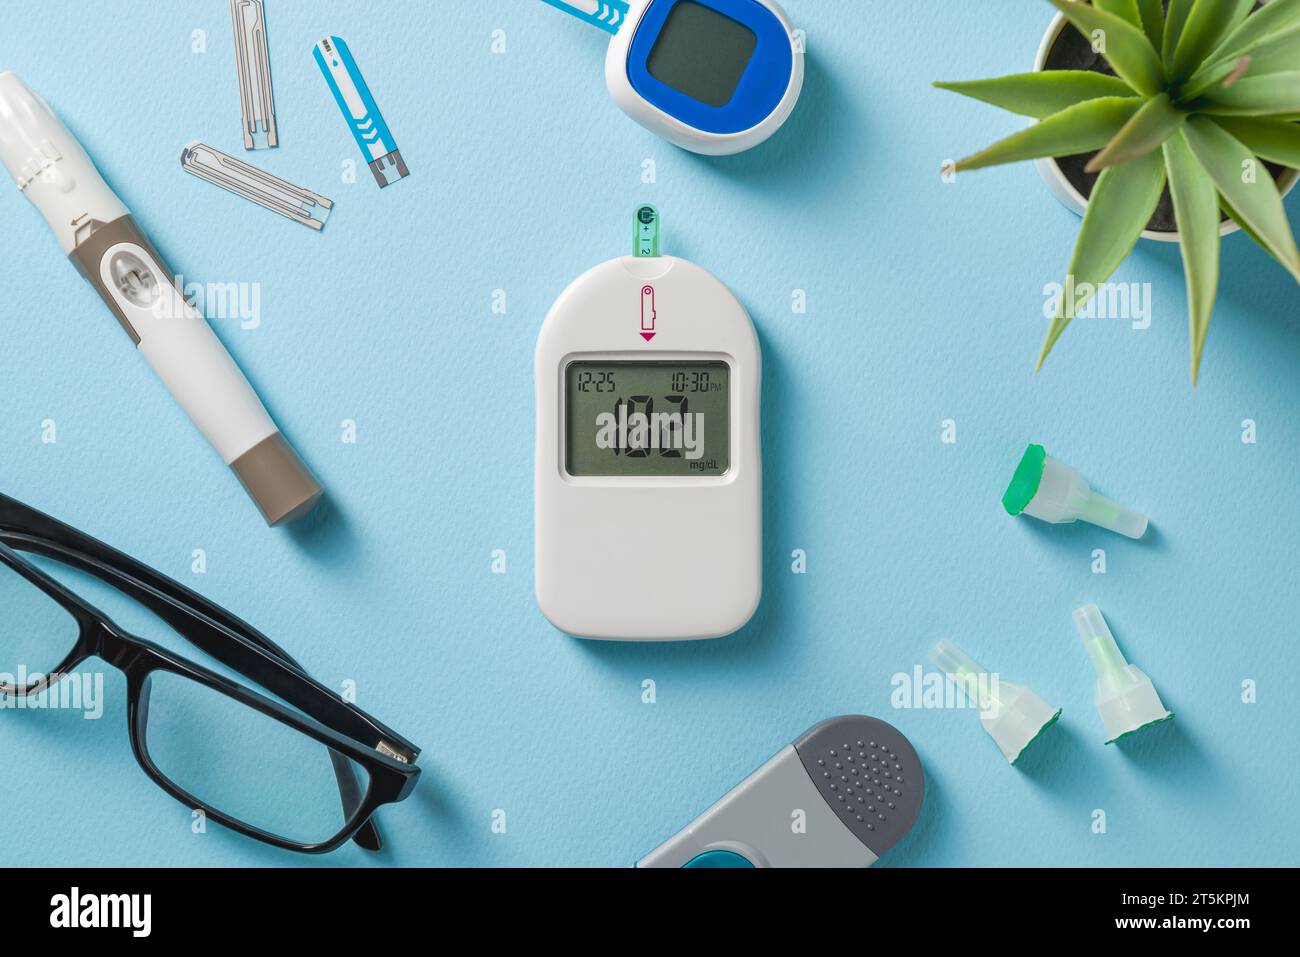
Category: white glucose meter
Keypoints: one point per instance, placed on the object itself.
(711, 76)
(648, 468)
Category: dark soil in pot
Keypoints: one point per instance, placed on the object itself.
(1073, 51)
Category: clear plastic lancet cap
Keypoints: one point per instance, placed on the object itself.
(1052, 491)
(1012, 715)
(1125, 697)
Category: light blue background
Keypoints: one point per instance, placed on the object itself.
(924, 303)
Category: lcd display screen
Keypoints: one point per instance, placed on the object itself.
(702, 53)
(647, 418)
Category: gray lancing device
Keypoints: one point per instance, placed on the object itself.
(858, 781)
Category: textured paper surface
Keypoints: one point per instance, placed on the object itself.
(924, 304)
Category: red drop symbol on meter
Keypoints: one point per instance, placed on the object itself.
(648, 314)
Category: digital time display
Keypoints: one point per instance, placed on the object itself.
(647, 418)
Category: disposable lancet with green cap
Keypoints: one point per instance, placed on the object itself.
(1051, 491)
(1125, 697)
(1012, 715)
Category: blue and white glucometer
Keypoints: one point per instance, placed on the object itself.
(711, 76)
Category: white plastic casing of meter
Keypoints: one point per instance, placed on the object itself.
(648, 558)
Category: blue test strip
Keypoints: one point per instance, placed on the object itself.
(359, 109)
(606, 14)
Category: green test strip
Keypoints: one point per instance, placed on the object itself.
(645, 242)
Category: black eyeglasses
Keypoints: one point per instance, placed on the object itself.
(305, 781)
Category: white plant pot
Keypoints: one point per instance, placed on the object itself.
(1070, 197)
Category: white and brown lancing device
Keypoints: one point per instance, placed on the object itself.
(100, 236)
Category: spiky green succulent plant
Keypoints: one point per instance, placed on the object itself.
(1205, 90)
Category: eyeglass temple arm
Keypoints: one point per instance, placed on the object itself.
(198, 620)
(281, 676)
(225, 637)
(26, 522)
(202, 634)
(367, 836)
